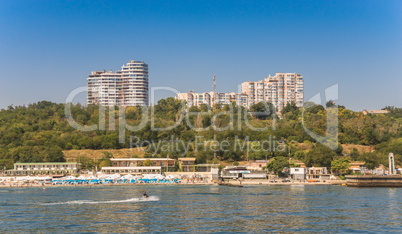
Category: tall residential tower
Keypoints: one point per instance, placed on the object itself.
(279, 89)
(127, 87)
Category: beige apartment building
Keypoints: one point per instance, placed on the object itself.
(279, 89)
(127, 87)
(196, 99)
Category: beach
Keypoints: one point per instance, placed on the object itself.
(182, 183)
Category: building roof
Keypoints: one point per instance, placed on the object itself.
(53, 163)
(235, 169)
(186, 159)
(131, 168)
(356, 163)
(139, 159)
(365, 112)
(207, 165)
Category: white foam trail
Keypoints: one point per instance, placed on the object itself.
(150, 198)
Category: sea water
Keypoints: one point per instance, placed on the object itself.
(201, 208)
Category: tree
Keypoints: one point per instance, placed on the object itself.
(107, 154)
(86, 163)
(372, 159)
(204, 107)
(290, 107)
(319, 156)
(340, 166)
(54, 154)
(278, 164)
(148, 163)
(262, 110)
(313, 108)
(220, 167)
(370, 136)
(339, 150)
(6, 163)
(235, 164)
(105, 163)
(300, 155)
(354, 155)
(330, 104)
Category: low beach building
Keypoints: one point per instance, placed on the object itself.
(45, 168)
(205, 167)
(357, 166)
(242, 172)
(257, 165)
(298, 173)
(186, 164)
(318, 173)
(167, 164)
(132, 170)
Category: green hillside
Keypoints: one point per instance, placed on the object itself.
(40, 132)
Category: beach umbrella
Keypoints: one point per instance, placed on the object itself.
(70, 178)
(159, 177)
(169, 177)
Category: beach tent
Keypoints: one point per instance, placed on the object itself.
(69, 178)
(127, 177)
(153, 176)
(169, 177)
(103, 176)
(159, 177)
(43, 178)
(22, 178)
(117, 175)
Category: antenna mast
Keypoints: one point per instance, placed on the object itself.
(214, 103)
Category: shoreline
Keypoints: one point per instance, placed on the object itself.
(252, 183)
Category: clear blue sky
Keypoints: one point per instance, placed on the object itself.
(47, 48)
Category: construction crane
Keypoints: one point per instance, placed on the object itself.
(214, 103)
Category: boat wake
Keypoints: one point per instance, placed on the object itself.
(79, 202)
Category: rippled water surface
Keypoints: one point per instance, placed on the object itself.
(201, 209)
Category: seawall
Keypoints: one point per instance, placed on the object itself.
(374, 181)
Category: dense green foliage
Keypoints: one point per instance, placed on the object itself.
(340, 166)
(39, 132)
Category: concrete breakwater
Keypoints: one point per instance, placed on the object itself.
(374, 181)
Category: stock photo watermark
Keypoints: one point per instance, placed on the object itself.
(148, 116)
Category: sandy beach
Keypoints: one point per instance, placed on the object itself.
(233, 182)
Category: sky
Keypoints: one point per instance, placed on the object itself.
(48, 48)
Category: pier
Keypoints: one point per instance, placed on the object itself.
(374, 181)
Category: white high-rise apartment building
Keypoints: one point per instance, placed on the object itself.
(127, 87)
(279, 89)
